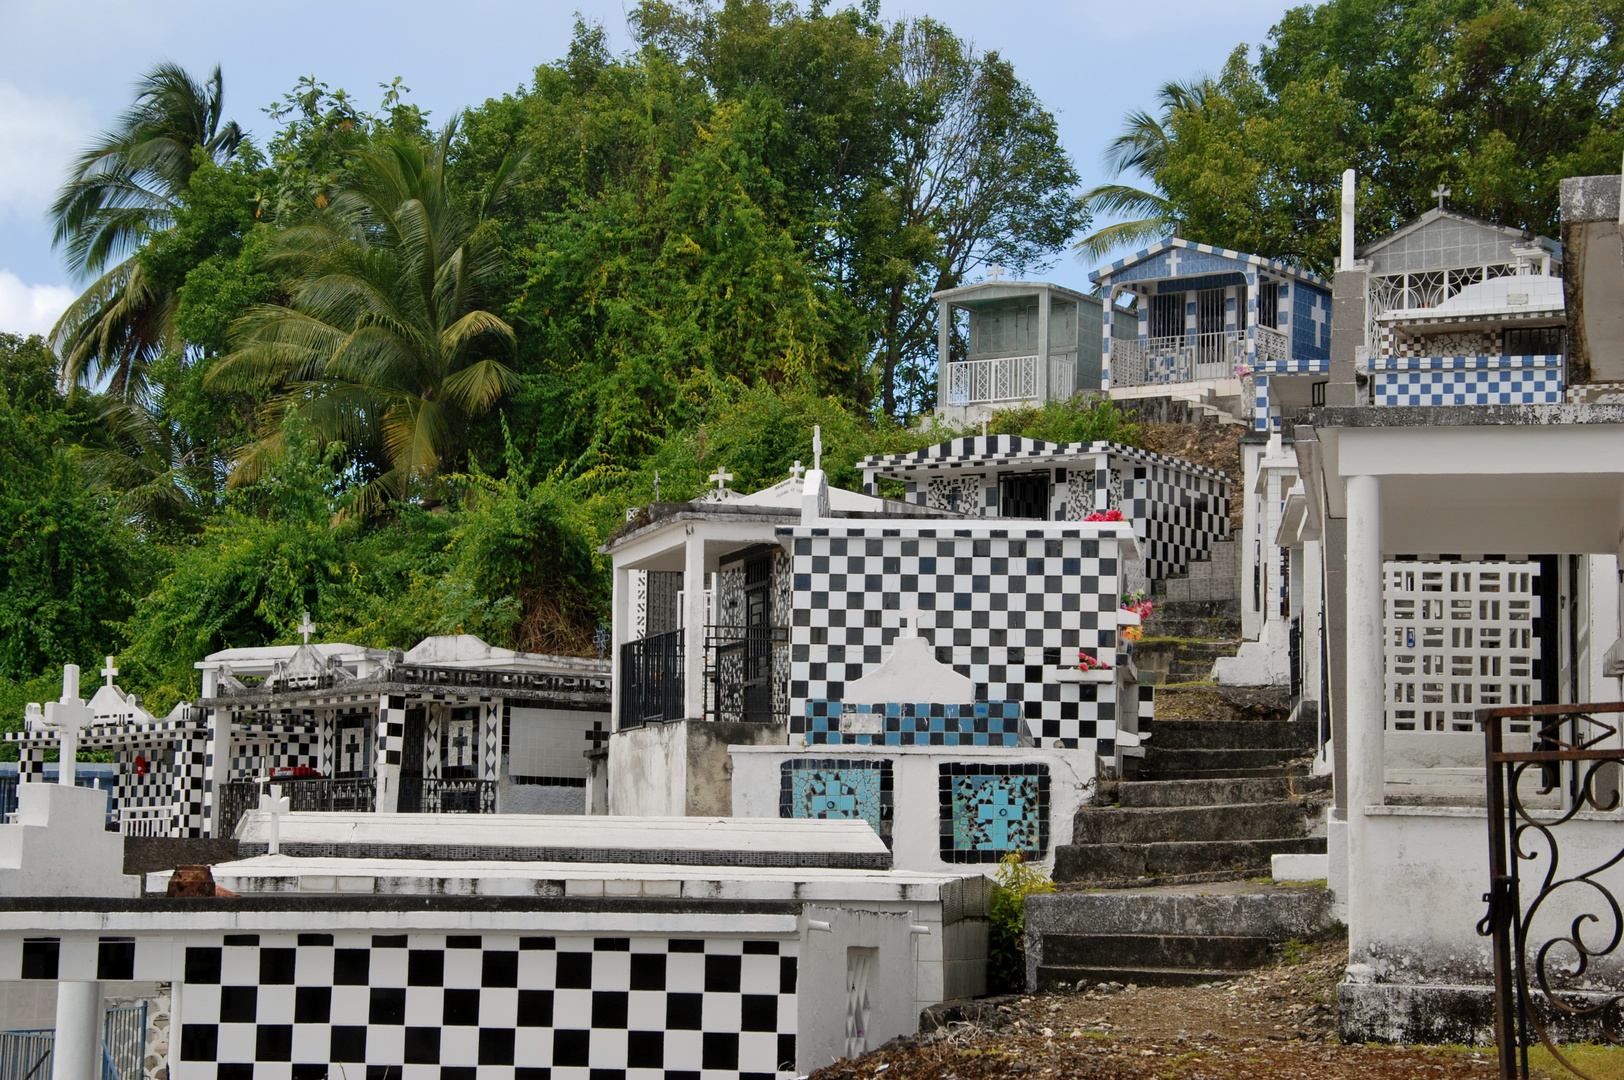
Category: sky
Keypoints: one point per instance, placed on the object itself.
(67, 68)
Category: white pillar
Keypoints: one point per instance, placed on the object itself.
(693, 627)
(1366, 637)
(1347, 221)
(1045, 376)
(620, 632)
(76, 1054)
(944, 349)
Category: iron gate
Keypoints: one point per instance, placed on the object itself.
(1540, 977)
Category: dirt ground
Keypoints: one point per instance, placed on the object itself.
(1272, 1024)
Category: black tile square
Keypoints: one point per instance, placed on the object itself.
(535, 1008)
(574, 972)
(351, 967)
(115, 959)
(463, 1072)
(387, 1005)
(199, 1042)
(245, 941)
(463, 941)
(786, 974)
(645, 1049)
(276, 966)
(607, 1074)
(722, 975)
(460, 1008)
(424, 967)
(496, 1046)
(524, 1073)
(537, 943)
(234, 1070)
(239, 1004)
(422, 1046)
(314, 939)
(499, 968)
(348, 1044)
(786, 1052)
(684, 1012)
(313, 1005)
(648, 971)
(273, 1042)
(721, 1050)
(761, 948)
(202, 965)
(388, 941)
(758, 1012)
(609, 1008)
(571, 1047)
(309, 1070)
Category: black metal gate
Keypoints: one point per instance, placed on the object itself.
(1544, 979)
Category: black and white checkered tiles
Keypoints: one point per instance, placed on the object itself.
(1006, 607)
(491, 1007)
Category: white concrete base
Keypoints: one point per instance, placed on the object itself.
(1301, 867)
(60, 846)
(1336, 848)
(1264, 662)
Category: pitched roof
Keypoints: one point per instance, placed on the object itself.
(984, 450)
(1274, 266)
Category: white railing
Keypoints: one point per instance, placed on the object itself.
(1062, 377)
(1155, 361)
(1272, 345)
(145, 820)
(1008, 378)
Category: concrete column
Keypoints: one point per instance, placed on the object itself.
(77, 1051)
(620, 632)
(1365, 689)
(1045, 376)
(1107, 330)
(217, 766)
(387, 735)
(944, 349)
(694, 629)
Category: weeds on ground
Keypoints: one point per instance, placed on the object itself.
(1006, 912)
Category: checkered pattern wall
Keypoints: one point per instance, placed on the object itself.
(1468, 380)
(1005, 607)
(489, 1007)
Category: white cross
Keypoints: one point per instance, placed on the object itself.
(720, 478)
(275, 804)
(817, 447)
(68, 717)
(306, 627)
(1442, 193)
(109, 671)
(796, 470)
(656, 485)
(995, 272)
(1173, 262)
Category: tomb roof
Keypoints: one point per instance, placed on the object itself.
(1165, 251)
(1001, 450)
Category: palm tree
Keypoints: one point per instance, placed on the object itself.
(386, 346)
(120, 192)
(1142, 148)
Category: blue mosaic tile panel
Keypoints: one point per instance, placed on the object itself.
(1468, 380)
(982, 723)
(837, 788)
(991, 810)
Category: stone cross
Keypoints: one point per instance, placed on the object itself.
(994, 272)
(109, 671)
(68, 717)
(460, 742)
(796, 470)
(275, 804)
(306, 627)
(656, 485)
(352, 752)
(1441, 193)
(720, 478)
(817, 447)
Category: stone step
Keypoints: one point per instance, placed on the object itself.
(1049, 977)
(1272, 772)
(1217, 758)
(1148, 793)
(1275, 913)
(1235, 735)
(1133, 862)
(1118, 951)
(1153, 825)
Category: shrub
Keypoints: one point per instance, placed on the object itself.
(1006, 960)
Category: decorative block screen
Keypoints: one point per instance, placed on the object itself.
(1460, 637)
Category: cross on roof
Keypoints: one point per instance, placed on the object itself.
(1173, 261)
(67, 718)
(1441, 193)
(720, 478)
(994, 272)
(306, 627)
(796, 470)
(109, 671)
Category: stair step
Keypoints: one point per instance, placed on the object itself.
(1051, 977)
(1173, 824)
(1148, 793)
(1236, 734)
(1118, 951)
(1156, 773)
(1265, 912)
(1162, 760)
(1126, 862)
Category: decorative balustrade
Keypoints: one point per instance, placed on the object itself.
(1008, 378)
(458, 795)
(1159, 361)
(1272, 345)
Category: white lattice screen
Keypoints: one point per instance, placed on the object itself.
(1460, 638)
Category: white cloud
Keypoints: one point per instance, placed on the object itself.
(38, 138)
(30, 309)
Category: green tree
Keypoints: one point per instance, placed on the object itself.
(121, 192)
(385, 345)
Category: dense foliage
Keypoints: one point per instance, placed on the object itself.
(1495, 99)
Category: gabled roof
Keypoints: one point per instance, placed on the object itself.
(1274, 266)
(979, 451)
(1416, 224)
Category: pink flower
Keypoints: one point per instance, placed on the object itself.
(1107, 515)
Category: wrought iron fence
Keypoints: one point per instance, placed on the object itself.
(651, 680)
(748, 670)
(420, 795)
(1556, 927)
(26, 1055)
(315, 793)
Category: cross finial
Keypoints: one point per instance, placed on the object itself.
(1441, 193)
(109, 671)
(306, 627)
(67, 718)
(994, 272)
(275, 804)
(720, 478)
(817, 447)
(796, 470)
